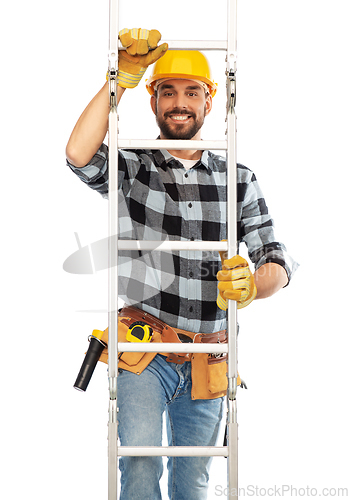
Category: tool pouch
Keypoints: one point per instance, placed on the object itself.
(209, 380)
(209, 371)
(134, 362)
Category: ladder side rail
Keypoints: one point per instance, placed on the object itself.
(232, 248)
(232, 179)
(112, 250)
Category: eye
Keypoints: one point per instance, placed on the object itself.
(192, 94)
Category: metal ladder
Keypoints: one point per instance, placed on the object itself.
(229, 451)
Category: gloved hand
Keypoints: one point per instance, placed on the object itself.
(141, 51)
(235, 283)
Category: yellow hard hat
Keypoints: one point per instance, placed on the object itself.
(186, 64)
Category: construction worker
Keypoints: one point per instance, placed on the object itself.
(177, 195)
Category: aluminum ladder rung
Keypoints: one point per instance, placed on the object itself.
(172, 347)
(170, 144)
(218, 246)
(197, 44)
(192, 44)
(172, 451)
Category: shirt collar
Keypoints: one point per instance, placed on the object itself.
(166, 157)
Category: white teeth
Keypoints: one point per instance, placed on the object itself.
(180, 117)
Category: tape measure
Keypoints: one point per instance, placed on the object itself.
(139, 332)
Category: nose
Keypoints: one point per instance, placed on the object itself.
(181, 101)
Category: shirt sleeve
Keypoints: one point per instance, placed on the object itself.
(95, 173)
(257, 227)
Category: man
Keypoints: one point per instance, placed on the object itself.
(179, 195)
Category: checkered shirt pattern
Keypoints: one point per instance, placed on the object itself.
(160, 200)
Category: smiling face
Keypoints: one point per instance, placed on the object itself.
(180, 107)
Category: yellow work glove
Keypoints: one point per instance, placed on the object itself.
(141, 51)
(235, 282)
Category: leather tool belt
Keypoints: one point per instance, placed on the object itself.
(208, 371)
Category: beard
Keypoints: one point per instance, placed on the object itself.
(184, 131)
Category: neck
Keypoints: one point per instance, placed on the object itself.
(186, 154)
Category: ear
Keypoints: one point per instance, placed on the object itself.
(153, 103)
(208, 104)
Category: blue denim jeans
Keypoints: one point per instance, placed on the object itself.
(142, 400)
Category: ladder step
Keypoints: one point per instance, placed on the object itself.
(172, 451)
(171, 347)
(197, 44)
(170, 144)
(213, 246)
(193, 44)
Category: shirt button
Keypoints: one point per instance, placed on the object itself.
(190, 205)
(191, 309)
(191, 274)
(186, 175)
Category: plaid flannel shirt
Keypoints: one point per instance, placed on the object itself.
(158, 200)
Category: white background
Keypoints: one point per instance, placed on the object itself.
(292, 131)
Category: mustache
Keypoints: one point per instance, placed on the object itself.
(177, 111)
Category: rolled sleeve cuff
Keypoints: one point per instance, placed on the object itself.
(276, 253)
(95, 173)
